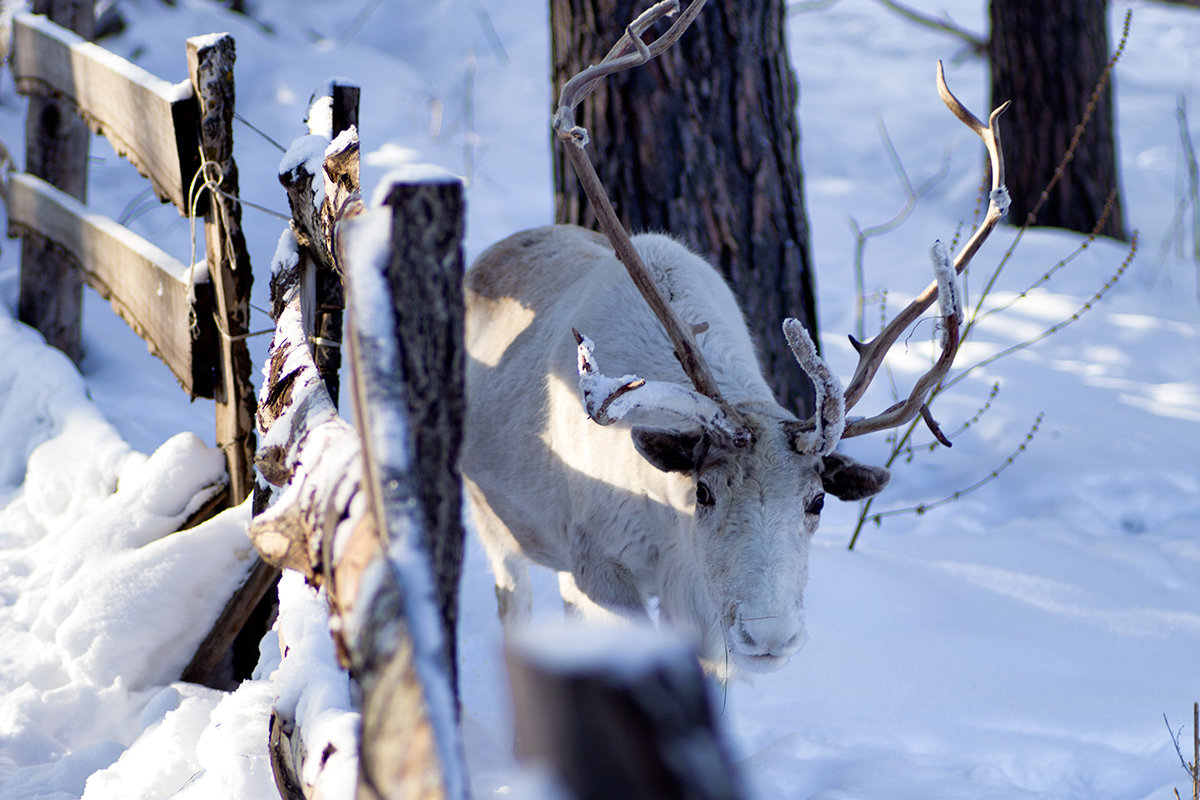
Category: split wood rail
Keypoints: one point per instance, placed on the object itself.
(195, 318)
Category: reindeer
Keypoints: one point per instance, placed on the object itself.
(682, 485)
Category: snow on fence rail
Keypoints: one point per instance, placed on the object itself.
(178, 136)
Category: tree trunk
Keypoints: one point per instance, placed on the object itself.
(703, 142)
(1047, 58)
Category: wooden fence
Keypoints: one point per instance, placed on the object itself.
(178, 136)
(370, 512)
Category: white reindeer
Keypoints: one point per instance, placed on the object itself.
(717, 531)
(702, 500)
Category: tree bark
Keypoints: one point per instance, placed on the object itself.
(702, 142)
(56, 150)
(1047, 58)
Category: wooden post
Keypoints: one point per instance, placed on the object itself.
(56, 150)
(210, 66)
(330, 295)
(617, 712)
(424, 275)
(406, 341)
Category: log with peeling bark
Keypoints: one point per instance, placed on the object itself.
(342, 514)
(332, 117)
(313, 456)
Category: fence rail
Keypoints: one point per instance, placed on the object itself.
(179, 136)
(153, 292)
(149, 121)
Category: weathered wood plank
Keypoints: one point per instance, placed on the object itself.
(210, 67)
(211, 652)
(148, 120)
(147, 287)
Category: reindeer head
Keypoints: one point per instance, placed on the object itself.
(757, 486)
(754, 510)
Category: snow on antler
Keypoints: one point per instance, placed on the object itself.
(831, 405)
(949, 299)
(657, 404)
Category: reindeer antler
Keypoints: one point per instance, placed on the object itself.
(630, 51)
(871, 354)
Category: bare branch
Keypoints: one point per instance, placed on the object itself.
(977, 43)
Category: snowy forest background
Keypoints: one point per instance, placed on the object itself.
(1022, 641)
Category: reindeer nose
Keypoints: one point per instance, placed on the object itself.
(776, 635)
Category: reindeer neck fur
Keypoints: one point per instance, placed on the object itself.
(703, 299)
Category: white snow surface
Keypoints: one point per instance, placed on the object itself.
(1024, 641)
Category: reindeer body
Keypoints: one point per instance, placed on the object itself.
(617, 512)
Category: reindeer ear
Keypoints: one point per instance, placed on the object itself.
(671, 451)
(847, 479)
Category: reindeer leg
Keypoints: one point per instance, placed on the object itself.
(510, 569)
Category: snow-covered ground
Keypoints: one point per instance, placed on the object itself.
(1023, 641)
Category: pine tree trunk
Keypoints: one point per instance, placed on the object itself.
(1047, 59)
(703, 143)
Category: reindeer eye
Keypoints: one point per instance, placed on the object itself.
(815, 506)
(703, 494)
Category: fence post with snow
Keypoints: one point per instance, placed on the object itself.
(210, 69)
(56, 150)
(617, 711)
